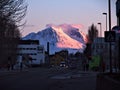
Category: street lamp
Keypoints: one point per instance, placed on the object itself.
(106, 19)
(100, 29)
(109, 11)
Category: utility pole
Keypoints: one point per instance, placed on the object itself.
(48, 48)
(109, 11)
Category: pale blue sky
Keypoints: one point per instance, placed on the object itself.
(85, 12)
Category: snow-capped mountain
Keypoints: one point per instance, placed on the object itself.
(60, 37)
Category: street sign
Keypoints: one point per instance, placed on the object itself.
(110, 36)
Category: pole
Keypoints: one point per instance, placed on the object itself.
(100, 29)
(109, 9)
(106, 21)
(48, 48)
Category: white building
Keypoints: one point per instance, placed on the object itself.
(33, 50)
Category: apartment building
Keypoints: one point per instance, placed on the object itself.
(31, 50)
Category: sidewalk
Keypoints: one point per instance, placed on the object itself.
(107, 81)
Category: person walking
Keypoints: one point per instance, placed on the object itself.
(21, 62)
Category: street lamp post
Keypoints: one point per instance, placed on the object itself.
(106, 19)
(100, 29)
(109, 11)
(100, 43)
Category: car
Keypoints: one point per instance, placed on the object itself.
(62, 64)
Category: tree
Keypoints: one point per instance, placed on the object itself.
(12, 10)
(92, 33)
(11, 14)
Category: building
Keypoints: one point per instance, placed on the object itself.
(31, 50)
(118, 35)
(100, 49)
(117, 49)
(118, 12)
(59, 57)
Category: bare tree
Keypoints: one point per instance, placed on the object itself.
(92, 33)
(11, 14)
(14, 10)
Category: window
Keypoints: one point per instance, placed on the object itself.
(40, 49)
(33, 59)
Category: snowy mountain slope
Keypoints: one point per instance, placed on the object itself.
(60, 37)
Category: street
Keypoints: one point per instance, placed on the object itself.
(48, 79)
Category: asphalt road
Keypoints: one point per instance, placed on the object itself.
(48, 79)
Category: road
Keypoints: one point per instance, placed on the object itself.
(48, 79)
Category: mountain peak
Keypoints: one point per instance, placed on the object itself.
(64, 36)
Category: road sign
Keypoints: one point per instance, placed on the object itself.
(110, 36)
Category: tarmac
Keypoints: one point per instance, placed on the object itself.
(47, 79)
(5, 72)
(66, 74)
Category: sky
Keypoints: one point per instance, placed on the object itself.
(84, 12)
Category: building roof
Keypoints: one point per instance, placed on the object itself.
(27, 42)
